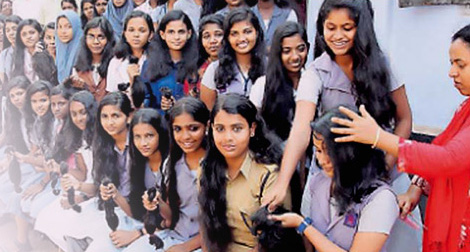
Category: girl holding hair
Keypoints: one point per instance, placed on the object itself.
(274, 94)
(173, 58)
(239, 168)
(88, 10)
(49, 39)
(349, 69)
(188, 120)
(349, 188)
(241, 61)
(444, 163)
(96, 51)
(116, 13)
(9, 44)
(130, 55)
(211, 34)
(73, 146)
(28, 34)
(69, 34)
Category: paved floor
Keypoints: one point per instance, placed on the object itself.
(39, 242)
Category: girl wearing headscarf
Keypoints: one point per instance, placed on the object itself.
(116, 12)
(69, 33)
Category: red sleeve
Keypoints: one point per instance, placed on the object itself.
(431, 161)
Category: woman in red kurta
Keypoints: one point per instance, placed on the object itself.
(445, 163)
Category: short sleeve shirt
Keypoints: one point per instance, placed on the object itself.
(239, 84)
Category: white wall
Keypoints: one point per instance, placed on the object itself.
(417, 40)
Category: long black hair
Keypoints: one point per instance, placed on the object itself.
(138, 162)
(13, 135)
(43, 125)
(372, 78)
(104, 156)
(160, 63)
(71, 138)
(357, 167)
(227, 71)
(84, 58)
(11, 19)
(18, 65)
(265, 148)
(45, 68)
(278, 105)
(83, 18)
(199, 112)
(210, 19)
(123, 49)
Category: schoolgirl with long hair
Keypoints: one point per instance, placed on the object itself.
(68, 37)
(351, 187)
(188, 120)
(28, 34)
(73, 147)
(350, 69)
(274, 94)
(116, 13)
(100, 6)
(211, 34)
(96, 51)
(241, 60)
(239, 168)
(130, 54)
(87, 7)
(9, 44)
(172, 58)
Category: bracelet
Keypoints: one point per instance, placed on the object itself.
(305, 223)
(377, 137)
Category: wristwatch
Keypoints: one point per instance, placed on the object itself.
(305, 223)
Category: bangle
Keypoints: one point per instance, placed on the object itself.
(305, 223)
(377, 137)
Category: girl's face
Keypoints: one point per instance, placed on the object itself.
(146, 139)
(112, 119)
(176, 34)
(339, 31)
(29, 36)
(138, 2)
(10, 32)
(212, 36)
(49, 39)
(101, 6)
(88, 10)
(7, 8)
(293, 53)
(242, 37)
(64, 30)
(188, 133)
(235, 3)
(137, 33)
(59, 106)
(459, 54)
(119, 3)
(68, 6)
(40, 103)
(232, 134)
(78, 114)
(17, 97)
(322, 155)
(96, 40)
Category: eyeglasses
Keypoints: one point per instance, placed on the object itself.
(100, 38)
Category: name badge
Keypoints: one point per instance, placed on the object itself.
(350, 220)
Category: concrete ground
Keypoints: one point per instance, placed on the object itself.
(39, 242)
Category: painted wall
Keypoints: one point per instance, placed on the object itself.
(417, 40)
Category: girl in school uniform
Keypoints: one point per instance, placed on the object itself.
(28, 34)
(9, 44)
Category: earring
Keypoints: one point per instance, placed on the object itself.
(252, 134)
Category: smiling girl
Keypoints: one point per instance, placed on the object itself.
(28, 35)
(241, 61)
(68, 36)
